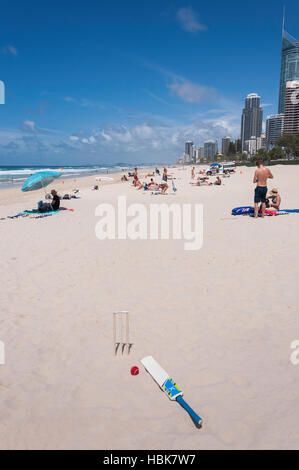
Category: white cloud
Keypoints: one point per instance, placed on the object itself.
(69, 99)
(143, 131)
(28, 126)
(188, 20)
(183, 88)
(84, 102)
(150, 139)
(192, 93)
(9, 50)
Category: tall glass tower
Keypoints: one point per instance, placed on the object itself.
(252, 118)
(289, 70)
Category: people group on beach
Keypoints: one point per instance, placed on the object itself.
(204, 180)
(152, 185)
(262, 199)
(50, 206)
(260, 178)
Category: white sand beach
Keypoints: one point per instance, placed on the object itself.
(220, 320)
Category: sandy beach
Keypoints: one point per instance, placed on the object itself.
(220, 320)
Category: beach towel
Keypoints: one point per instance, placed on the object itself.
(249, 210)
(35, 214)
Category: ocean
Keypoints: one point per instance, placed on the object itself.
(11, 175)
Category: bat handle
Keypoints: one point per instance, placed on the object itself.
(192, 413)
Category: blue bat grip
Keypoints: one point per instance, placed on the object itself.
(192, 413)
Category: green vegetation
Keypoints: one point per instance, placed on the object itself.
(286, 151)
(290, 144)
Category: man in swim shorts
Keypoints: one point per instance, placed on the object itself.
(261, 176)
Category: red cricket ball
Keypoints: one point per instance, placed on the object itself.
(134, 370)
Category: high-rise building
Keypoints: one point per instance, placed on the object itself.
(210, 149)
(225, 145)
(274, 128)
(291, 108)
(289, 69)
(252, 118)
(189, 150)
(250, 146)
(199, 154)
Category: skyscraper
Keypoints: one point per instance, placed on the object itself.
(189, 150)
(274, 128)
(289, 69)
(225, 145)
(210, 149)
(252, 118)
(291, 108)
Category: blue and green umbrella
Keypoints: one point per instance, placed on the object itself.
(40, 180)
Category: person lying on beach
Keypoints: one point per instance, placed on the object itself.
(275, 199)
(124, 178)
(201, 183)
(71, 195)
(50, 206)
(150, 185)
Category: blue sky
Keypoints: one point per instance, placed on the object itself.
(113, 81)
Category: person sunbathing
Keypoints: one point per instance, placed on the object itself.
(275, 199)
(199, 182)
(150, 185)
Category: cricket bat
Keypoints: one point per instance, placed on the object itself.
(168, 385)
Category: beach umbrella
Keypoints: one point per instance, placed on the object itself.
(40, 180)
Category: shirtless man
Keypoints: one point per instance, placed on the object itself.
(260, 178)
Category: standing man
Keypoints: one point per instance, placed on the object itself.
(260, 178)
